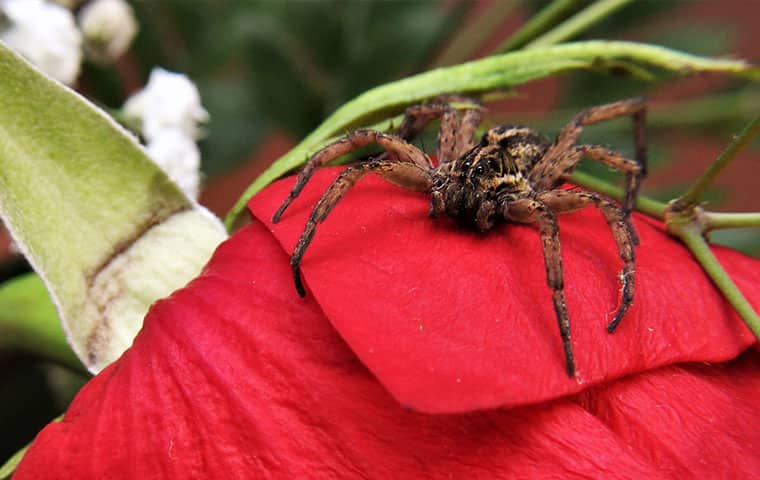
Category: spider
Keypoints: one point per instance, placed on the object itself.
(512, 175)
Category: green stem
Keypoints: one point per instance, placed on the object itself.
(716, 220)
(646, 205)
(489, 74)
(539, 23)
(694, 193)
(579, 22)
(722, 110)
(691, 234)
(732, 108)
(474, 33)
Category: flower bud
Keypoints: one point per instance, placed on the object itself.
(108, 27)
(45, 34)
(169, 101)
(177, 155)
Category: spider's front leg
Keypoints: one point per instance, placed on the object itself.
(564, 201)
(402, 151)
(404, 174)
(527, 211)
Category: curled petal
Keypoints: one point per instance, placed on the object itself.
(452, 320)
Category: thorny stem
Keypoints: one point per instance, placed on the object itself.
(693, 194)
(547, 18)
(579, 22)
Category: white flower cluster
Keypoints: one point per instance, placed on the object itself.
(169, 110)
(46, 34)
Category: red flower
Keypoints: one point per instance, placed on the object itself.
(401, 361)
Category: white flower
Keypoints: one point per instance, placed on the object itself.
(178, 155)
(45, 34)
(168, 101)
(108, 27)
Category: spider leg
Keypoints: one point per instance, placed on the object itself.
(568, 161)
(563, 201)
(405, 174)
(395, 146)
(456, 134)
(545, 174)
(633, 176)
(528, 211)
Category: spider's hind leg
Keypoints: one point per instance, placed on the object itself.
(633, 175)
(456, 134)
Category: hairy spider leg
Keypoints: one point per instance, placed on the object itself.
(526, 210)
(393, 144)
(564, 201)
(633, 176)
(545, 174)
(404, 174)
(611, 158)
(456, 134)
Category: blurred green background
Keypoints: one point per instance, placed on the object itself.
(270, 71)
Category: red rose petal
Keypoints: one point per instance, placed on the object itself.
(452, 320)
(230, 378)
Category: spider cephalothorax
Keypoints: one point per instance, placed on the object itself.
(511, 175)
(476, 188)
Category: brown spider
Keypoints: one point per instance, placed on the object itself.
(512, 175)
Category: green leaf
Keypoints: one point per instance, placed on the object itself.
(102, 225)
(496, 72)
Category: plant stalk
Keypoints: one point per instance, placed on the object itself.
(690, 233)
(539, 23)
(591, 15)
(694, 193)
(717, 220)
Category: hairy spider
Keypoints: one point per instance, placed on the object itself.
(512, 175)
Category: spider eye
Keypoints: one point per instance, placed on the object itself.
(479, 169)
(466, 165)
